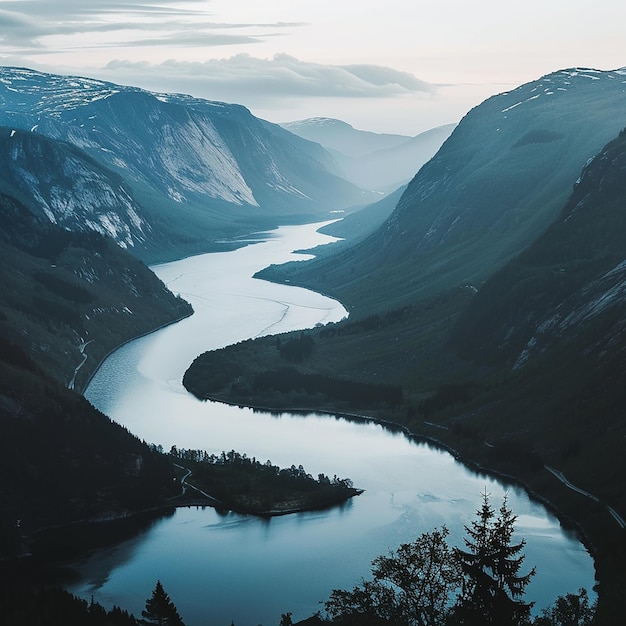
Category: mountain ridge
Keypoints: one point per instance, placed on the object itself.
(496, 183)
(192, 165)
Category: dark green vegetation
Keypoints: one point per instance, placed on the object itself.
(429, 583)
(160, 609)
(68, 295)
(276, 374)
(246, 485)
(523, 370)
(44, 606)
(40, 605)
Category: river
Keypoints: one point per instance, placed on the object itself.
(228, 568)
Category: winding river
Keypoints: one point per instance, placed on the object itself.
(223, 568)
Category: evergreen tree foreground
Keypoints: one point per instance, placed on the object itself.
(429, 583)
(160, 609)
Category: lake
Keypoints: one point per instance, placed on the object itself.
(223, 568)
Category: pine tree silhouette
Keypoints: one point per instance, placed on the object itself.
(160, 609)
(493, 587)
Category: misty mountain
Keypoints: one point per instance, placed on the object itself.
(380, 162)
(343, 138)
(494, 186)
(358, 225)
(197, 170)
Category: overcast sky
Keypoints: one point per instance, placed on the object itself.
(389, 66)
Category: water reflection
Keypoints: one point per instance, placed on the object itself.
(221, 567)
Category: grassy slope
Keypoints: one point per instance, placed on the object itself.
(62, 289)
(563, 409)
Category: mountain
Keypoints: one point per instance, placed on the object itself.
(196, 171)
(380, 162)
(358, 225)
(66, 187)
(494, 186)
(524, 375)
(343, 138)
(551, 322)
(69, 298)
(565, 282)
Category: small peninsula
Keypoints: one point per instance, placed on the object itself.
(235, 482)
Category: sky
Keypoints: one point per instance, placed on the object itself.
(398, 66)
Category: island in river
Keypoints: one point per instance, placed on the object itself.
(236, 482)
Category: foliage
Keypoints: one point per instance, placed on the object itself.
(573, 609)
(62, 460)
(296, 349)
(492, 587)
(245, 484)
(38, 605)
(428, 583)
(411, 586)
(288, 379)
(160, 609)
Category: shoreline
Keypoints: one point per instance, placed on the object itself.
(566, 520)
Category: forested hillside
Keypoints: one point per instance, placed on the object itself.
(523, 375)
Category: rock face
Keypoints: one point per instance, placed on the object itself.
(568, 286)
(177, 166)
(69, 298)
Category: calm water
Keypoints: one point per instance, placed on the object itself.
(223, 568)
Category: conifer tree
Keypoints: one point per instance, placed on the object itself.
(493, 587)
(160, 609)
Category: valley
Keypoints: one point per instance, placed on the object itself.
(485, 299)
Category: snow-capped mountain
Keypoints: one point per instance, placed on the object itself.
(64, 185)
(192, 165)
(494, 186)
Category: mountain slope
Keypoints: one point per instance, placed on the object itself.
(68, 188)
(525, 376)
(69, 298)
(193, 166)
(343, 138)
(494, 186)
(569, 278)
(380, 162)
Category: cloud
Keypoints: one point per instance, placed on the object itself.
(243, 77)
(160, 24)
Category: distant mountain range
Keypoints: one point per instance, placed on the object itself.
(376, 161)
(494, 186)
(179, 172)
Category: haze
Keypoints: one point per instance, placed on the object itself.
(394, 67)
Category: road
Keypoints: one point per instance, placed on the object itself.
(616, 516)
